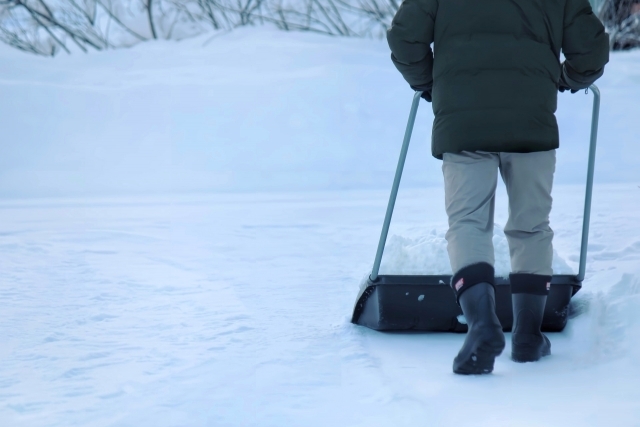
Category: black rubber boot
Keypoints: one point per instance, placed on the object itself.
(485, 339)
(528, 343)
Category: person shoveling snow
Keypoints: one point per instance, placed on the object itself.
(493, 82)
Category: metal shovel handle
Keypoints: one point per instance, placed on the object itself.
(396, 185)
(403, 155)
(595, 116)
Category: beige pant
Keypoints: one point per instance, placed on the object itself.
(470, 180)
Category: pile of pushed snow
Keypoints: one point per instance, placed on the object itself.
(427, 254)
(606, 324)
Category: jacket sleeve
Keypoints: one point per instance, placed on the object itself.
(410, 38)
(585, 45)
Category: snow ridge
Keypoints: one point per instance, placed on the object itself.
(426, 253)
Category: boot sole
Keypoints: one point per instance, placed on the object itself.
(482, 361)
(530, 352)
(529, 355)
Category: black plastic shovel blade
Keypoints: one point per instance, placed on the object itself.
(427, 303)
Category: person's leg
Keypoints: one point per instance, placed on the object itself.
(470, 183)
(529, 179)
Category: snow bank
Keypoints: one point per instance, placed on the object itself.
(252, 110)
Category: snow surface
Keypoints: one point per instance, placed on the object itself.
(183, 230)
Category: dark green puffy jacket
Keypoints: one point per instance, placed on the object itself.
(495, 68)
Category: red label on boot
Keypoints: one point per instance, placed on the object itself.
(459, 284)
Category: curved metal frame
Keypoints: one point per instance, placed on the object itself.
(403, 155)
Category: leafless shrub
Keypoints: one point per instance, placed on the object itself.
(48, 26)
(622, 21)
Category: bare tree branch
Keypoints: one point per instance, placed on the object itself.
(46, 26)
(149, 7)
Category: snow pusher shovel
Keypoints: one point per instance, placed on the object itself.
(427, 303)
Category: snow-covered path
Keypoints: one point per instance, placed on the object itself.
(232, 310)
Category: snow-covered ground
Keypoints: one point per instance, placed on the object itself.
(183, 230)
